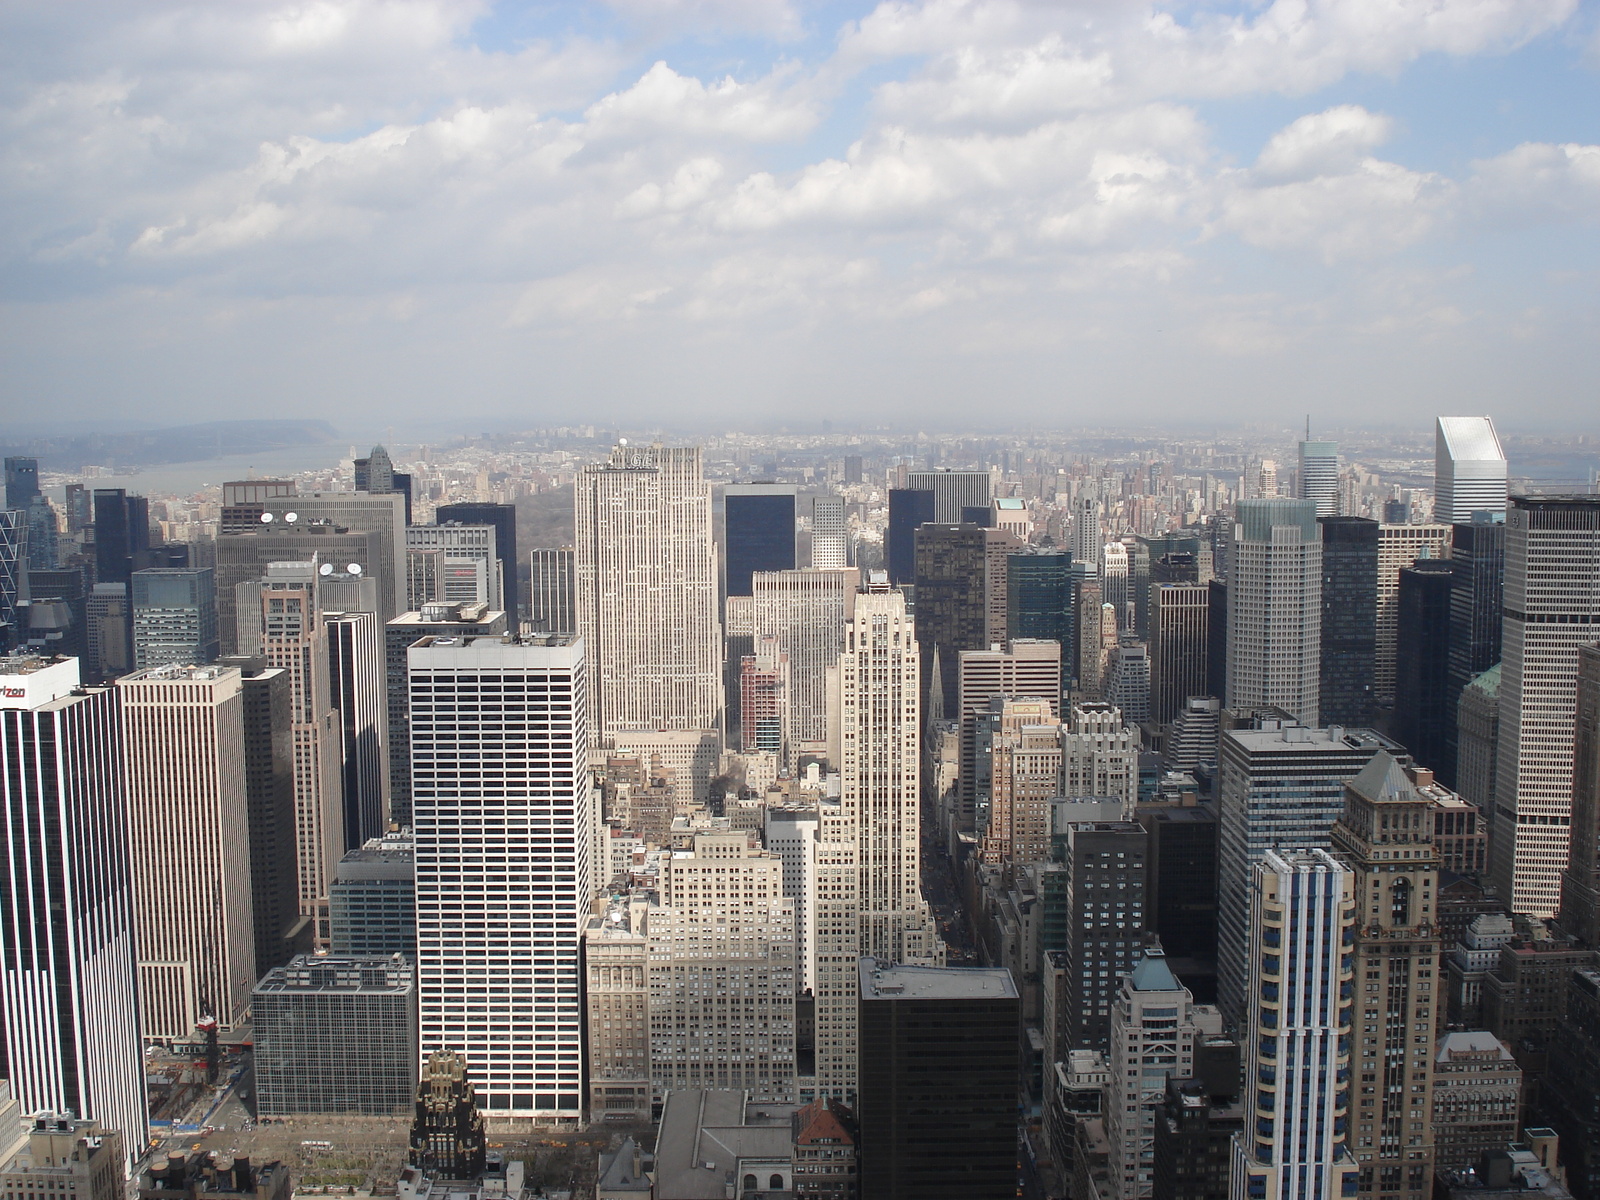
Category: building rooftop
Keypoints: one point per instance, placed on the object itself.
(1153, 975)
(348, 974)
(883, 980)
(178, 673)
(704, 1136)
(1468, 438)
(1472, 1042)
(1292, 738)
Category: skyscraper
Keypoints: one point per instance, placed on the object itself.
(184, 764)
(1086, 539)
(953, 491)
(1469, 472)
(553, 606)
(1179, 628)
(1106, 879)
(1397, 947)
(646, 589)
(22, 482)
(1319, 476)
(1580, 882)
(1039, 598)
(356, 685)
(1116, 585)
(501, 825)
(908, 509)
(1023, 668)
(723, 918)
(1349, 620)
(290, 634)
(1279, 786)
(758, 522)
(1274, 608)
(504, 519)
(1399, 546)
(280, 931)
(806, 611)
(830, 539)
(174, 617)
(1296, 1141)
(1422, 707)
(71, 1033)
(1478, 574)
(455, 563)
(13, 572)
(869, 848)
(376, 473)
(961, 593)
(121, 534)
(243, 558)
(764, 700)
(381, 515)
(1156, 1028)
(938, 1082)
(1552, 603)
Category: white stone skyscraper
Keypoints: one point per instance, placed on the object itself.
(1552, 607)
(1086, 539)
(184, 768)
(868, 865)
(1275, 607)
(646, 590)
(1469, 469)
(501, 827)
(806, 611)
(68, 993)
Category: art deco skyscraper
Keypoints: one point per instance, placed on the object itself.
(71, 1030)
(869, 849)
(1552, 607)
(646, 590)
(501, 823)
(1296, 1142)
(184, 756)
(1469, 471)
(1385, 836)
(1274, 607)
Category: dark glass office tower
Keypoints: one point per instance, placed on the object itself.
(504, 519)
(22, 482)
(121, 534)
(908, 508)
(1163, 558)
(758, 531)
(937, 1078)
(1478, 562)
(1422, 660)
(952, 599)
(1217, 638)
(1349, 619)
(1039, 596)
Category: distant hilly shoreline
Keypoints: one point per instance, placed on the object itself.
(174, 444)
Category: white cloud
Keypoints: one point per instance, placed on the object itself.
(663, 101)
(1332, 142)
(1538, 180)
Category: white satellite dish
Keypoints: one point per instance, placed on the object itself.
(291, 517)
(325, 569)
(266, 518)
(354, 568)
(622, 441)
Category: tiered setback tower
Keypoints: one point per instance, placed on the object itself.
(646, 590)
(501, 824)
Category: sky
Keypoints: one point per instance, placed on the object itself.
(946, 214)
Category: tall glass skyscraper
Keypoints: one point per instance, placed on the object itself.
(1349, 619)
(758, 522)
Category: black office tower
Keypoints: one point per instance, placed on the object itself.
(1422, 661)
(1478, 575)
(908, 508)
(1216, 638)
(504, 519)
(937, 1079)
(1349, 620)
(758, 532)
(1039, 595)
(281, 932)
(952, 599)
(121, 534)
(22, 482)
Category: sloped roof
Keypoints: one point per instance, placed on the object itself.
(1153, 975)
(1383, 780)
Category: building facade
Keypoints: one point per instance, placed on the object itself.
(1469, 472)
(1275, 608)
(174, 617)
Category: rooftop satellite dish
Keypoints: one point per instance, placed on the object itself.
(354, 568)
(622, 441)
(291, 517)
(266, 518)
(325, 569)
